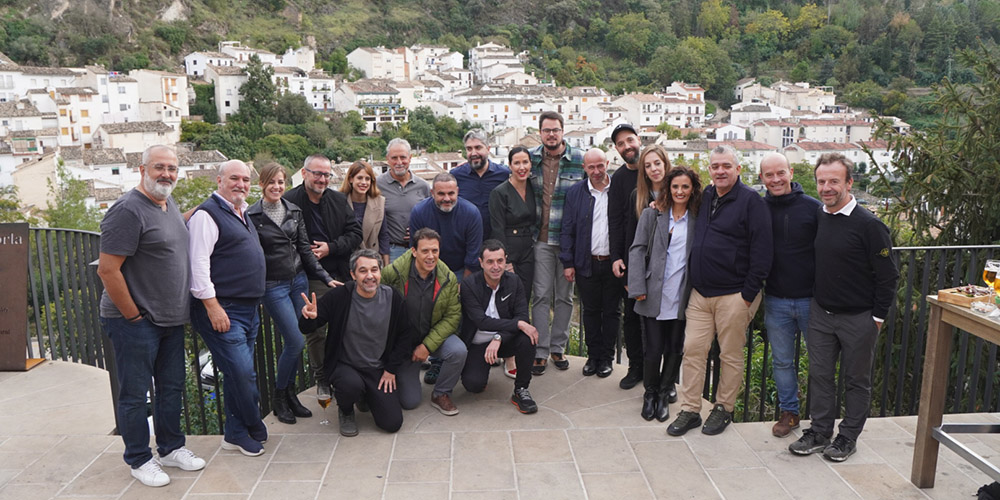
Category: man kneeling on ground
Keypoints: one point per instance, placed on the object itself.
(366, 347)
(495, 324)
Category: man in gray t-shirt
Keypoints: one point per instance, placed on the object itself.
(144, 267)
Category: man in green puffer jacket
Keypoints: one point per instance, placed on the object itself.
(430, 296)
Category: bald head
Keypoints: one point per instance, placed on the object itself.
(776, 174)
(234, 181)
(595, 165)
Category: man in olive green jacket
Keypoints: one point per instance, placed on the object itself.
(430, 296)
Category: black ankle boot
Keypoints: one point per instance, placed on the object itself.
(281, 410)
(668, 392)
(662, 412)
(648, 405)
(295, 405)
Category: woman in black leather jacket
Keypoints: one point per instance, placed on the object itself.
(282, 232)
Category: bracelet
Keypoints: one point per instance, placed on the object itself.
(133, 318)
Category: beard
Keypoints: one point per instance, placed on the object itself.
(477, 163)
(630, 156)
(156, 189)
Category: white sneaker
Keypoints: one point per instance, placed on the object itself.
(151, 474)
(183, 458)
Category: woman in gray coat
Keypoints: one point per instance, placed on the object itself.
(657, 280)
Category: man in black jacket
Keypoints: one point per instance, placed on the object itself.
(854, 291)
(334, 233)
(366, 347)
(623, 182)
(495, 325)
(730, 257)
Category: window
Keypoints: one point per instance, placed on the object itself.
(62, 112)
(5, 123)
(65, 131)
(104, 98)
(84, 113)
(121, 89)
(227, 104)
(114, 171)
(123, 107)
(86, 130)
(229, 91)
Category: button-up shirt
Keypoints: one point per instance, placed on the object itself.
(399, 201)
(477, 189)
(599, 241)
(673, 271)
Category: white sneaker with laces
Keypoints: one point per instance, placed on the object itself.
(151, 474)
(183, 458)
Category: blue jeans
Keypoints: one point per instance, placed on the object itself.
(395, 251)
(147, 354)
(232, 354)
(783, 318)
(283, 301)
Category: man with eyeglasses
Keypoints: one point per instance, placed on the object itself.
(335, 234)
(555, 167)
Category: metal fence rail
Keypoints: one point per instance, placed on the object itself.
(65, 292)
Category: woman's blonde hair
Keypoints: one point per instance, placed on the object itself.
(644, 186)
(358, 166)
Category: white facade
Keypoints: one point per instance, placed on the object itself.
(135, 137)
(242, 54)
(377, 102)
(747, 112)
(227, 82)
(378, 62)
(123, 100)
(303, 58)
(196, 62)
(794, 96)
(161, 86)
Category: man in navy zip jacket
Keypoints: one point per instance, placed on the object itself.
(730, 257)
(788, 291)
(585, 255)
(457, 221)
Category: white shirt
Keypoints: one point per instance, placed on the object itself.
(203, 233)
(673, 272)
(599, 242)
(483, 336)
(846, 209)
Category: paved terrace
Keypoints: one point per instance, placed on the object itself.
(586, 441)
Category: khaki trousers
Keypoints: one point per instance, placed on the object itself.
(728, 316)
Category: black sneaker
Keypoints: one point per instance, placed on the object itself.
(810, 442)
(717, 421)
(348, 426)
(522, 400)
(632, 378)
(685, 421)
(841, 448)
(539, 367)
(431, 377)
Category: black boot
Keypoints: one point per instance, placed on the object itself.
(651, 383)
(281, 410)
(295, 405)
(667, 378)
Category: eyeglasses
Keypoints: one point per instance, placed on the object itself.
(159, 167)
(550, 131)
(324, 175)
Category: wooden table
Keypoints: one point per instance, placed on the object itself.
(937, 358)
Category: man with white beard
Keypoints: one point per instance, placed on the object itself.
(144, 267)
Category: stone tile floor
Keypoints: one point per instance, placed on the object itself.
(587, 441)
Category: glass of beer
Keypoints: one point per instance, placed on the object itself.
(324, 401)
(990, 272)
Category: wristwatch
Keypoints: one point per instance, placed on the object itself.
(497, 337)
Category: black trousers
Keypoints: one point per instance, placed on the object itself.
(476, 373)
(600, 294)
(351, 384)
(830, 335)
(661, 338)
(632, 333)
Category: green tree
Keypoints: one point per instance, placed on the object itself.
(70, 210)
(257, 98)
(287, 149)
(175, 34)
(950, 171)
(195, 132)
(712, 18)
(294, 109)
(204, 103)
(10, 206)
(629, 35)
(189, 193)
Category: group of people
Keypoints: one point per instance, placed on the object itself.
(457, 264)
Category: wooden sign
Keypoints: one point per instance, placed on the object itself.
(14, 298)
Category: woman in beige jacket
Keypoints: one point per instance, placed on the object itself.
(369, 207)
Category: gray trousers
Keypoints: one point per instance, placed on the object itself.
(551, 291)
(830, 335)
(316, 339)
(452, 352)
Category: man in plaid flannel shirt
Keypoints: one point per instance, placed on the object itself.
(555, 167)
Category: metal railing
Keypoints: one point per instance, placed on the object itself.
(65, 293)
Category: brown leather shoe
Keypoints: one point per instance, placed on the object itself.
(785, 424)
(444, 405)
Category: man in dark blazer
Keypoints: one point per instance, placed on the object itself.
(586, 258)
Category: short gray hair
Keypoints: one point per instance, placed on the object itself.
(398, 141)
(312, 158)
(369, 253)
(478, 134)
(152, 149)
(443, 177)
(226, 164)
(726, 149)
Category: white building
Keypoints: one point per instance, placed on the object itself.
(432, 58)
(134, 137)
(379, 62)
(490, 60)
(196, 62)
(747, 112)
(79, 115)
(377, 102)
(794, 96)
(161, 86)
(123, 99)
(242, 54)
(303, 58)
(19, 115)
(227, 80)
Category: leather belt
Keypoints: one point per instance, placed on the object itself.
(601, 258)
